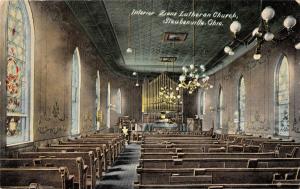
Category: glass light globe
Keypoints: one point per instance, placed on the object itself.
(184, 69)
(134, 73)
(289, 22)
(298, 1)
(211, 86)
(192, 66)
(137, 84)
(177, 88)
(235, 27)
(179, 85)
(202, 67)
(269, 36)
(181, 78)
(227, 49)
(191, 75)
(257, 56)
(190, 92)
(255, 31)
(129, 50)
(178, 96)
(268, 13)
(297, 45)
(231, 53)
(198, 84)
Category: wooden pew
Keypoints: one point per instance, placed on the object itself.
(88, 157)
(271, 146)
(289, 150)
(217, 186)
(119, 138)
(111, 146)
(30, 186)
(206, 155)
(75, 166)
(107, 152)
(206, 146)
(218, 175)
(48, 176)
(100, 166)
(219, 163)
(184, 142)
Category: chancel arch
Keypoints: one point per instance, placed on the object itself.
(76, 85)
(20, 72)
(282, 125)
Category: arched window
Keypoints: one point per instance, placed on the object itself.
(241, 104)
(108, 106)
(19, 78)
(119, 102)
(282, 98)
(98, 101)
(76, 82)
(202, 107)
(220, 109)
(201, 102)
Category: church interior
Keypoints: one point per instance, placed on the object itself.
(150, 94)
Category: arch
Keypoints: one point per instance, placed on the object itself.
(97, 102)
(108, 106)
(20, 72)
(220, 108)
(282, 97)
(119, 102)
(201, 102)
(76, 86)
(241, 104)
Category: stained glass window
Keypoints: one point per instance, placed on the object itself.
(76, 78)
(98, 111)
(241, 104)
(282, 98)
(220, 109)
(18, 76)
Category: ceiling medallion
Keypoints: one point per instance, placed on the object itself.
(174, 37)
(168, 59)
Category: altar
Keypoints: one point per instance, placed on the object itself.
(160, 125)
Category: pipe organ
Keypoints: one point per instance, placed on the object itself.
(153, 101)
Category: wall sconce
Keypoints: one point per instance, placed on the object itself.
(211, 109)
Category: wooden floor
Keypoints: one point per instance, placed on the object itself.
(123, 173)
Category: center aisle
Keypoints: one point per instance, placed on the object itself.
(123, 173)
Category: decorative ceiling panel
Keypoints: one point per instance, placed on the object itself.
(107, 24)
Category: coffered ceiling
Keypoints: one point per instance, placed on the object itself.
(112, 30)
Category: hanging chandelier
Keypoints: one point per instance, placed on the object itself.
(167, 95)
(191, 79)
(263, 33)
